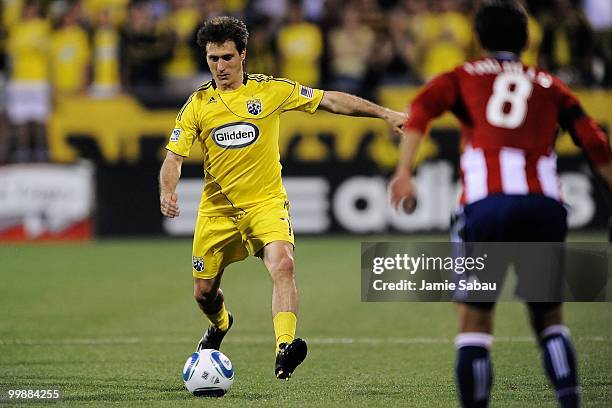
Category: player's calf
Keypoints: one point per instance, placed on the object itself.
(474, 370)
(559, 359)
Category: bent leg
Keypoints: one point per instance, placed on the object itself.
(558, 354)
(278, 258)
(473, 370)
(209, 298)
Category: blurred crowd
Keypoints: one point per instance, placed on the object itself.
(55, 48)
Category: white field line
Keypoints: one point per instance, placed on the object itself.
(93, 341)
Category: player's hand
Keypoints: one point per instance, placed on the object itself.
(401, 192)
(169, 205)
(396, 122)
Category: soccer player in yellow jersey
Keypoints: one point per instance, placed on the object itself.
(244, 208)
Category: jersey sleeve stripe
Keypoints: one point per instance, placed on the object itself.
(180, 114)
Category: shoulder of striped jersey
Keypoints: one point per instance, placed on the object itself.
(205, 86)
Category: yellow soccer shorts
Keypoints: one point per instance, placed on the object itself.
(219, 241)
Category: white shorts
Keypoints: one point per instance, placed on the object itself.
(27, 102)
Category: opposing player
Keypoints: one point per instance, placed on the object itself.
(509, 116)
(244, 208)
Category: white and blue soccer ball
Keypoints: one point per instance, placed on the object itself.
(208, 373)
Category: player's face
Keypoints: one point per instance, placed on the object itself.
(225, 64)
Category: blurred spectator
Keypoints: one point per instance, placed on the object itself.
(28, 90)
(70, 52)
(599, 13)
(300, 46)
(330, 17)
(381, 55)
(262, 56)
(275, 10)
(235, 7)
(105, 81)
(530, 55)
(4, 129)
(350, 46)
(401, 29)
(314, 10)
(181, 70)
(11, 12)
(92, 9)
(371, 14)
(567, 45)
(208, 9)
(445, 38)
(145, 48)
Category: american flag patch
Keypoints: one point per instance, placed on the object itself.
(306, 91)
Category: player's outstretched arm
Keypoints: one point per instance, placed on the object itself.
(351, 105)
(401, 189)
(168, 179)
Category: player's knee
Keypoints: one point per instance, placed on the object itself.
(543, 315)
(204, 293)
(476, 317)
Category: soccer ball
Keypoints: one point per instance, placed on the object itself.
(208, 373)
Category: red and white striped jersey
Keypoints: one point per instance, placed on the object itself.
(510, 115)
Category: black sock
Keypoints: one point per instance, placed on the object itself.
(474, 370)
(559, 359)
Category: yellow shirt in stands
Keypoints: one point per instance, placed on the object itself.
(70, 57)
(300, 46)
(445, 40)
(118, 8)
(238, 133)
(530, 55)
(351, 50)
(183, 23)
(28, 50)
(106, 57)
(11, 12)
(234, 6)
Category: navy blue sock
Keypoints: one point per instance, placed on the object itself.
(474, 371)
(559, 359)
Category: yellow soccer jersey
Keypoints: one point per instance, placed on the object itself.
(70, 57)
(28, 48)
(106, 57)
(301, 46)
(238, 132)
(183, 22)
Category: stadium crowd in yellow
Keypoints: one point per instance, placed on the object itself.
(55, 48)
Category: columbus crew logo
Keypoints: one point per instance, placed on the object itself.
(254, 106)
(198, 263)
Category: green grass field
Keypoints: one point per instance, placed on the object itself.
(112, 322)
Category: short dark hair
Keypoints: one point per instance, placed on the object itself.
(221, 29)
(502, 25)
